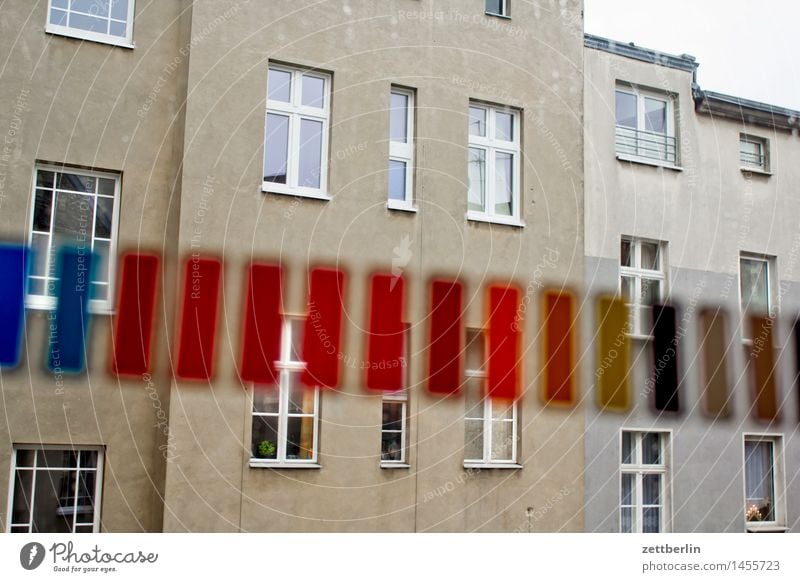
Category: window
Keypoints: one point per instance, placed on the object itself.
(296, 143)
(401, 148)
(490, 426)
(642, 280)
(755, 284)
(497, 7)
(285, 416)
(753, 153)
(108, 21)
(645, 125)
(76, 208)
(493, 171)
(394, 428)
(55, 489)
(763, 459)
(644, 488)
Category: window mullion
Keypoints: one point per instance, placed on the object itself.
(487, 429)
(490, 179)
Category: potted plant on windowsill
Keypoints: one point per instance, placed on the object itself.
(265, 450)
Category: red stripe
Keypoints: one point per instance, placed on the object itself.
(198, 327)
(445, 347)
(385, 358)
(322, 337)
(504, 343)
(261, 345)
(558, 357)
(135, 319)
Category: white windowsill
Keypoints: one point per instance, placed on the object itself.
(754, 527)
(648, 162)
(90, 36)
(398, 205)
(503, 16)
(36, 303)
(758, 171)
(394, 465)
(479, 465)
(504, 220)
(273, 188)
(640, 337)
(262, 464)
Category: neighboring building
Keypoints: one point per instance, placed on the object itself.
(364, 136)
(691, 197)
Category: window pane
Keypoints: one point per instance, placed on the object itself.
(118, 29)
(23, 486)
(40, 245)
(119, 9)
(649, 256)
(391, 446)
(297, 330)
(25, 457)
(44, 179)
(473, 439)
(626, 109)
(626, 518)
(477, 179)
(754, 284)
(88, 459)
(313, 91)
(502, 410)
(102, 251)
(651, 517)
(76, 183)
(651, 448)
(54, 498)
(651, 489)
(93, 7)
(475, 350)
(477, 121)
(502, 440)
(58, 17)
(474, 398)
(628, 448)
(265, 437)
(310, 153)
(655, 112)
(651, 291)
(504, 184)
(398, 118)
(57, 459)
(494, 6)
(275, 152)
(41, 210)
(265, 399)
(628, 489)
(628, 288)
(301, 398)
(397, 180)
(72, 223)
(392, 416)
(759, 481)
(89, 23)
(106, 186)
(105, 211)
(279, 85)
(300, 438)
(504, 126)
(626, 253)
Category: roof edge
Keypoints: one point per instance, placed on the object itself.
(745, 110)
(680, 62)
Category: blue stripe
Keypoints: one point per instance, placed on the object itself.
(13, 271)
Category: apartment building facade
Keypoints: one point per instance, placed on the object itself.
(346, 139)
(690, 201)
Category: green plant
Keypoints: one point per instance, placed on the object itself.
(266, 449)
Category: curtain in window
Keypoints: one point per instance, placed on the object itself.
(758, 472)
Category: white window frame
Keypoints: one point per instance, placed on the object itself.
(98, 485)
(636, 309)
(404, 151)
(47, 302)
(504, 9)
(296, 112)
(639, 469)
(778, 478)
(641, 153)
(125, 42)
(486, 461)
(399, 397)
(772, 298)
(284, 367)
(763, 145)
(491, 146)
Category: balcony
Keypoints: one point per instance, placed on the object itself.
(658, 147)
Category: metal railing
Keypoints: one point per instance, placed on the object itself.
(646, 144)
(753, 160)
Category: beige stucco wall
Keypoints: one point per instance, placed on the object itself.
(93, 105)
(433, 47)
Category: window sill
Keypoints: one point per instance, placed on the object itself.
(503, 16)
(640, 337)
(504, 220)
(402, 206)
(394, 465)
(273, 188)
(261, 464)
(753, 528)
(90, 36)
(648, 162)
(50, 304)
(478, 465)
(756, 171)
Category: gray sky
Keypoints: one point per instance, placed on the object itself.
(747, 48)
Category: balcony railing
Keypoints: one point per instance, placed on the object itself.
(753, 160)
(646, 144)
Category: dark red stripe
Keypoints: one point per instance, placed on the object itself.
(504, 343)
(135, 319)
(559, 359)
(445, 347)
(261, 344)
(385, 361)
(198, 327)
(322, 337)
